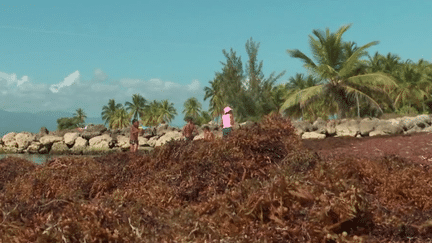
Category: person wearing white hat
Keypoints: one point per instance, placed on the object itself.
(227, 121)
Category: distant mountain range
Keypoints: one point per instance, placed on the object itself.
(32, 122)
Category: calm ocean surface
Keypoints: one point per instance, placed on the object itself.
(40, 158)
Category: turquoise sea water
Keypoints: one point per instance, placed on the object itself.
(39, 158)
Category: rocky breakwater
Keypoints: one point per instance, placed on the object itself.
(362, 127)
(96, 139)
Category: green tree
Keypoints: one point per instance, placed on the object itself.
(167, 111)
(120, 119)
(68, 123)
(338, 69)
(108, 111)
(151, 114)
(247, 93)
(137, 107)
(192, 107)
(79, 113)
(204, 118)
(414, 88)
(214, 92)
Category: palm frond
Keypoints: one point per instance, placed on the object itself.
(301, 97)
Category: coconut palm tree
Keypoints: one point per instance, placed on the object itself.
(137, 107)
(192, 107)
(108, 111)
(79, 113)
(151, 114)
(217, 102)
(120, 119)
(375, 63)
(337, 68)
(414, 88)
(167, 112)
(391, 63)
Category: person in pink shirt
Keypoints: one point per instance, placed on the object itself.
(227, 122)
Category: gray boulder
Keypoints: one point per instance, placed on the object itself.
(152, 141)
(79, 146)
(100, 142)
(331, 127)
(421, 121)
(10, 150)
(9, 140)
(93, 131)
(59, 147)
(367, 125)
(168, 137)
(302, 127)
(69, 138)
(24, 139)
(427, 129)
(391, 126)
(89, 135)
(319, 126)
(313, 135)
(43, 150)
(34, 147)
(49, 140)
(43, 131)
(80, 142)
(142, 141)
(123, 142)
(161, 129)
(415, 129)
(347, 128)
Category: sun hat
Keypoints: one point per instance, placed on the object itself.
(227, 109)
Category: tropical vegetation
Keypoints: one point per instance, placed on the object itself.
(342, 78)
(352, 86)
(246, 89)
(72, 122)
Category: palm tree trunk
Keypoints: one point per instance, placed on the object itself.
(358, 106)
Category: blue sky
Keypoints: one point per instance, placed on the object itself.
(79, 54)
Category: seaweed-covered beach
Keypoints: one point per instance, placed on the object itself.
(261, 185)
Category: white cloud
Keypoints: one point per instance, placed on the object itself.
(194, 86)
(11, 79)
(128, 83)
(24, 95)
(68, 81)
(100, 75)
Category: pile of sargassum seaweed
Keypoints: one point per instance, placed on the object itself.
(261, 185)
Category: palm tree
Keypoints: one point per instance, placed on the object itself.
(137, 107)
(120, 119)
(375, 63)
(337, 68)
(217, 102)
(413, 87)
(79, 113)
(108, 111)
(192, 107)
(391, 63)
(151, 114)
(167, 111)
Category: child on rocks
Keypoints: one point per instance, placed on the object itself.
(189, 130)
(134, 136)
(227, 122)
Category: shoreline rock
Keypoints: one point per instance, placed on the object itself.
(97, 140)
